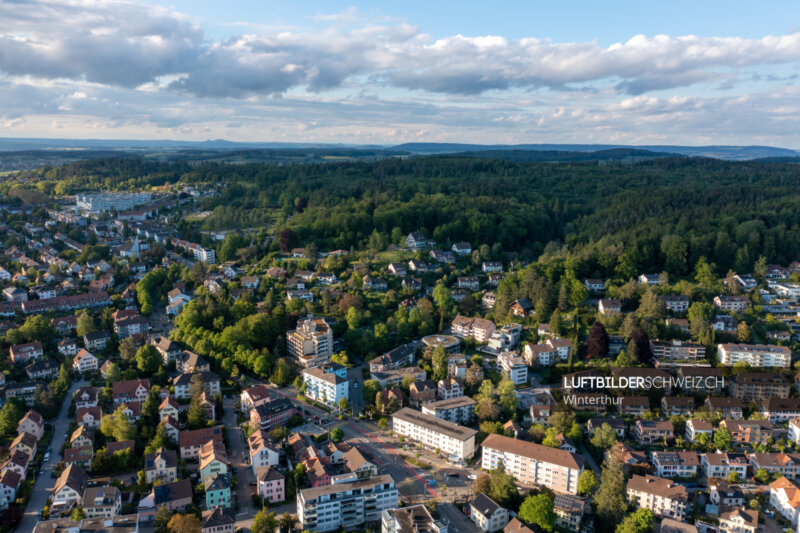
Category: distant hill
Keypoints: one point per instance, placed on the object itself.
(738, 153)
(556, 156)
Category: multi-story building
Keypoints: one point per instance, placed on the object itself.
(675, 464)
(311, 343)
(784, 496)
(677, 304)
(478, 328)
(459, 410)
(271, 484)
(533, 464)
(757, 386)
(274, 413)
(756, 355)
(118, 201)
(695, 427)
(327, 384)
(348, 505)
(677, 405)
(778, 410)
(734, 304)
(487, 514)
(725, 407)
(700, 380)
(677, 350)
(737, 520)
(435, 433)
(506, 338)
(411, 519)
(786, 464)
(653, 431)
(569, 512)
(663, 497)
(722, 464)
(449, 388)
(161, 465)
(104, 502)
(748, 432)
(514, 367)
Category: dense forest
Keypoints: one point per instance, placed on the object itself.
(618, 218)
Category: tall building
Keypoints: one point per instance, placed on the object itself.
(348, 505)
(533, 464)
(327, 384)
(118, 201)
(311, 343)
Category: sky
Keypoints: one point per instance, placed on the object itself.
(375, 72)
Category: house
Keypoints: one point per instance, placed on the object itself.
(15, 295)
(738, 521)
(539, 355)
(468, 282)
(617, 424)
(491, 266)
(24, 442)
(274, 413)
(784, 464)
(169, 407)
(187, 362)
(69, 488)
(663, 497)
(263, 450)
(562, 347)
(355, 463)
(253, 397)
(169, 350)
(449, 388)
(174, 496)
(17, 462)
(191, 441)
(695, 427)
(135, 390)
(218, 490)
(9, 483)
(31, 423)
(65, 324)
(396, 358)
(82, 437)
(649, 279)
(654, 431)
(731, 304)
(675, 464)
(183, 383)
(218, 520)
(416, 240)
(723, 464)
(22, 353)
(374, 284)
(784, 497)
(608, 306)
(96, 341)
(723, 493)
(68, 347)
(89, 416)
(778, 410)
(42, 369)
(84, 362)
(594, 285)
(397, 269)
(271, 484)
(676, 304)
(677, 405)
(522, 308)
(748, 432)
(161, 465)
(486, 514)
(461, 248)
(250, 282)
(104, 502)
(421, 392)
(725, 407)
(633, 405)
(213, 459)
(569, 512)
(172, 427)
(478, 328)
(80, 456)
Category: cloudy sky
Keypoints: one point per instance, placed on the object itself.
(628, 72)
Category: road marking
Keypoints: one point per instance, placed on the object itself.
(390, 450)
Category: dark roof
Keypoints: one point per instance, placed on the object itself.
(169, 492)
(484, 505)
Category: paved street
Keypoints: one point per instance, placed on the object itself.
(44, 483)
(456, 520)
(239, 458)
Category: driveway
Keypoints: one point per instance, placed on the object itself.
(44, 483)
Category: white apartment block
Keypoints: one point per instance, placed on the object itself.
(311, 343)
(435, 433)
(722, 464)
(533, 464)
(506, 338)
(347, 505)
(675, 464)
(96, 203)
(663, 497)
(326, 386)
(784, 496)
(459, 410)
(514, 367)
(756, 355)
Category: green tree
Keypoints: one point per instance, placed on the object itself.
(117, 425)
(611, 495)
(507, 395)
(344, 405)
(196, 416)
(85, 324)
(640, 521)
(148, 360)
(551, 438)
(185, 523)
(562, 419)
(538, 510)
(162, 518)
(439, 359)
(264, 522)
(370, 388)
(442, 297)
(341, 358)
(353, 318)
(502, 487)
(282, 373)
(10, 415)
(77, 514)
(604, 437)
(587, 482)
(337, 434)
(128, 349)
(762, 476)
(723, 439)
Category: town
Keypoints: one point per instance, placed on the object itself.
(158, 384)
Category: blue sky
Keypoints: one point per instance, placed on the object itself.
(388, 72)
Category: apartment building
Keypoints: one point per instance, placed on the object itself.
(478, 328)
(778, 410)
(676, 304)
(459, 410)
(348, 505)
(327, 384)
(514, 367)
(675, 464)
(722, 464)
(756, 355)
(784, 496)
(506, 338)
(311, 344)
(435, 433)
(737, 520)
(757, 386)
(748, 432)
(118, 201)
(700, 380)
(533, 464)
(731, 304)
(695, 427)
(677, 405)
(487, 514)
(663, 497)
(677, 350)
(411, 519)
(653, 431)
(569, 512)
(786, 464)
(725, 407)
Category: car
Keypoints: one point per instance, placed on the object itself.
(41, 472)
(47, 456)
(473, 477)
(432, 483)
(355, 385)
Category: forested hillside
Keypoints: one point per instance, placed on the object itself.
(617, 218)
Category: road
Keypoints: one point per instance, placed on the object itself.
(456, 520)
(239, 457)
(44, 483)
(356, 384)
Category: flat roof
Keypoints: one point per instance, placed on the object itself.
(315, 492)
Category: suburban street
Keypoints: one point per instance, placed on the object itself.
(44, 483)
(456, 520)
(238, 456)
